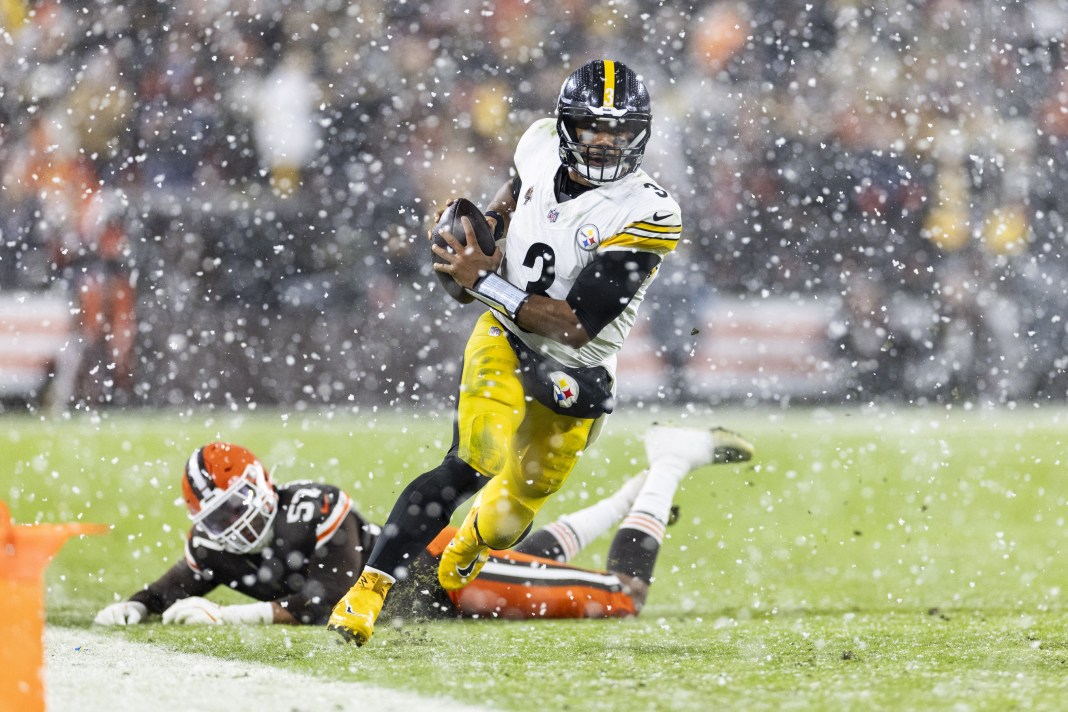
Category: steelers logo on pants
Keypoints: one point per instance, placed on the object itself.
(565, 389)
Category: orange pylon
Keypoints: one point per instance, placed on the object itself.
(25, 551)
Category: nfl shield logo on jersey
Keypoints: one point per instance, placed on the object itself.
(553, 215)
(588, 237)
(565, 389)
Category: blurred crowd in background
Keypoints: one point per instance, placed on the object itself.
(235, 192)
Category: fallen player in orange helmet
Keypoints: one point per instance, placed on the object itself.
(297, 547)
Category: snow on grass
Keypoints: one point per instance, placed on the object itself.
(89, 671)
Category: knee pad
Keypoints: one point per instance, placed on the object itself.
(487, 444)
(499, 541)
(503, 522)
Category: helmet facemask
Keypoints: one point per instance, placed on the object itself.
(240, 517)
(601, 149)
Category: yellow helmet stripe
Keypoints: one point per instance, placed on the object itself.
(609, 99)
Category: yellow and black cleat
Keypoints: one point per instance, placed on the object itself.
(354, 616)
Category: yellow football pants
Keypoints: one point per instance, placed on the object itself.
(526, 448)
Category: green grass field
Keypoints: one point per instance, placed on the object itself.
(866, 559)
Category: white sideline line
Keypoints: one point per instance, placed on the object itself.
(88, 671)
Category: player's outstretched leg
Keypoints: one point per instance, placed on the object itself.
(465, 555)
(354, 616)
(696, 447)
(673, 453)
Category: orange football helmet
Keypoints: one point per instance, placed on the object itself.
(230, 495)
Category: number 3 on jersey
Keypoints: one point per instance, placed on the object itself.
(543, 252)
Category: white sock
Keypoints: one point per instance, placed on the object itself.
(654, 499)
(576, 530)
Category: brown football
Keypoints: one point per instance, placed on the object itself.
(450, 221)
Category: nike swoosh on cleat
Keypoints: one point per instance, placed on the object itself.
(657, 217)
(465, 571)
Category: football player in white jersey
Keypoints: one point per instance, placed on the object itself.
(584, 231)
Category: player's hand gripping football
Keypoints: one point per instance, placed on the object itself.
(437, 217)
(491, 221)
(465, 264)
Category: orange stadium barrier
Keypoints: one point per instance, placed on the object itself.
(25, 552)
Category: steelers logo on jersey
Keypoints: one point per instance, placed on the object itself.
(565, 389)
(588, 237)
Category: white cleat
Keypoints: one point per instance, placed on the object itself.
(697, 447)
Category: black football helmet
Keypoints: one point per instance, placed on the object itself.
(604, 119)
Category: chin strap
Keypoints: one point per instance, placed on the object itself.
(500, 294)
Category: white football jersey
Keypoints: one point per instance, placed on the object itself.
(549, 242)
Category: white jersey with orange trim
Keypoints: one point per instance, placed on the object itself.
(550, 242)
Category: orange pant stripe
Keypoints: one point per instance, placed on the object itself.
(519, 586)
